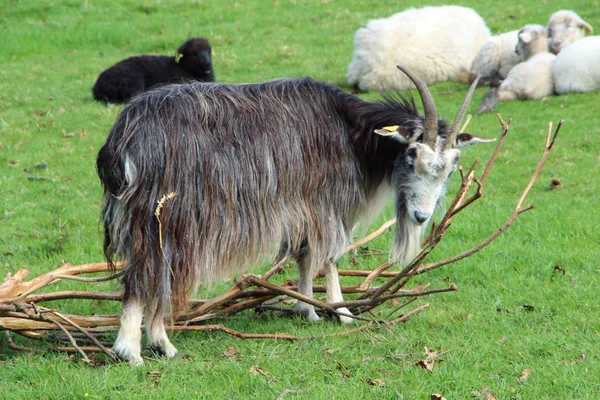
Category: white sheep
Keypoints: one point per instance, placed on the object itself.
(436, 43)
(564, 28)
(577, 67)
(496, 57)
(529, 80)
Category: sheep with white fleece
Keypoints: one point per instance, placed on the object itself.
(496, 57)
(564, 28)
(529, 80)
(436, 43)
(577, 67)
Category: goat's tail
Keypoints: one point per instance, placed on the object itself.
(143, 218)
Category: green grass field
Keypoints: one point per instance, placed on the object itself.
(514, 310)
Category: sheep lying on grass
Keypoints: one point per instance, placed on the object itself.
(436, 43)
(531, 79)
(564, 28)
(496, 57)
(577, 67)
(135, 75)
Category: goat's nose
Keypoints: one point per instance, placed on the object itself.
(421, 217)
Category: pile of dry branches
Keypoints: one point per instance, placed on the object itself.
(22, 314)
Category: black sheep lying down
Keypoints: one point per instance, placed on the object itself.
(135, 75)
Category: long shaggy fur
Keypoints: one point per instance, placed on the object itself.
(252, 166)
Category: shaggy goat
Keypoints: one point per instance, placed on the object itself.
(529, 80)
(577, 67)
(135, 75)
(436, 43)
(564, 28)
(236, 170)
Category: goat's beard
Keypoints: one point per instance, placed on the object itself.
(407, 240)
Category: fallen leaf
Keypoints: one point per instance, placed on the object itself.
(83, 133)
(437, 396)
(41, 113)
(330, 351)
(429, 361)
(425, 364)
(231, 352)
(524, 375)
(484, 395)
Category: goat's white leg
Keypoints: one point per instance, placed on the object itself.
(305, 287)
(334, 291)
(157, 334)
(128, 345)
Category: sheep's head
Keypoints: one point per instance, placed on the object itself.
(564, 28)
(421, 171)
(195, 56)
(533, 39)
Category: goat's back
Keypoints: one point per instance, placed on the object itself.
(247, 166)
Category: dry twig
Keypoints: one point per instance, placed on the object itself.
(21, 313)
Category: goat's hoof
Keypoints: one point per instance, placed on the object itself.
(306, 311)
(343, 318)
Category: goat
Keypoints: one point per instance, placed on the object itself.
(240, 169)
(134, 75)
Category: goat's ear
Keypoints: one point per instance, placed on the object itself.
(399, 133)
(466, 139)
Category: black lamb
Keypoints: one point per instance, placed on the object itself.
(138, 74)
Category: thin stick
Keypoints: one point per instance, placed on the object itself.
(550, 140)
(72, 340)
(409, 314)
(229, 331)
(371, 236)
(106, 351)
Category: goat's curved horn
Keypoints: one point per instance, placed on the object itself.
(431, 119)
(453, 132)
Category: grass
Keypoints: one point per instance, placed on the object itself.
(514, 310)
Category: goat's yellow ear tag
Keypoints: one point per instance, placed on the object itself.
(387, 130)
(178, 57)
